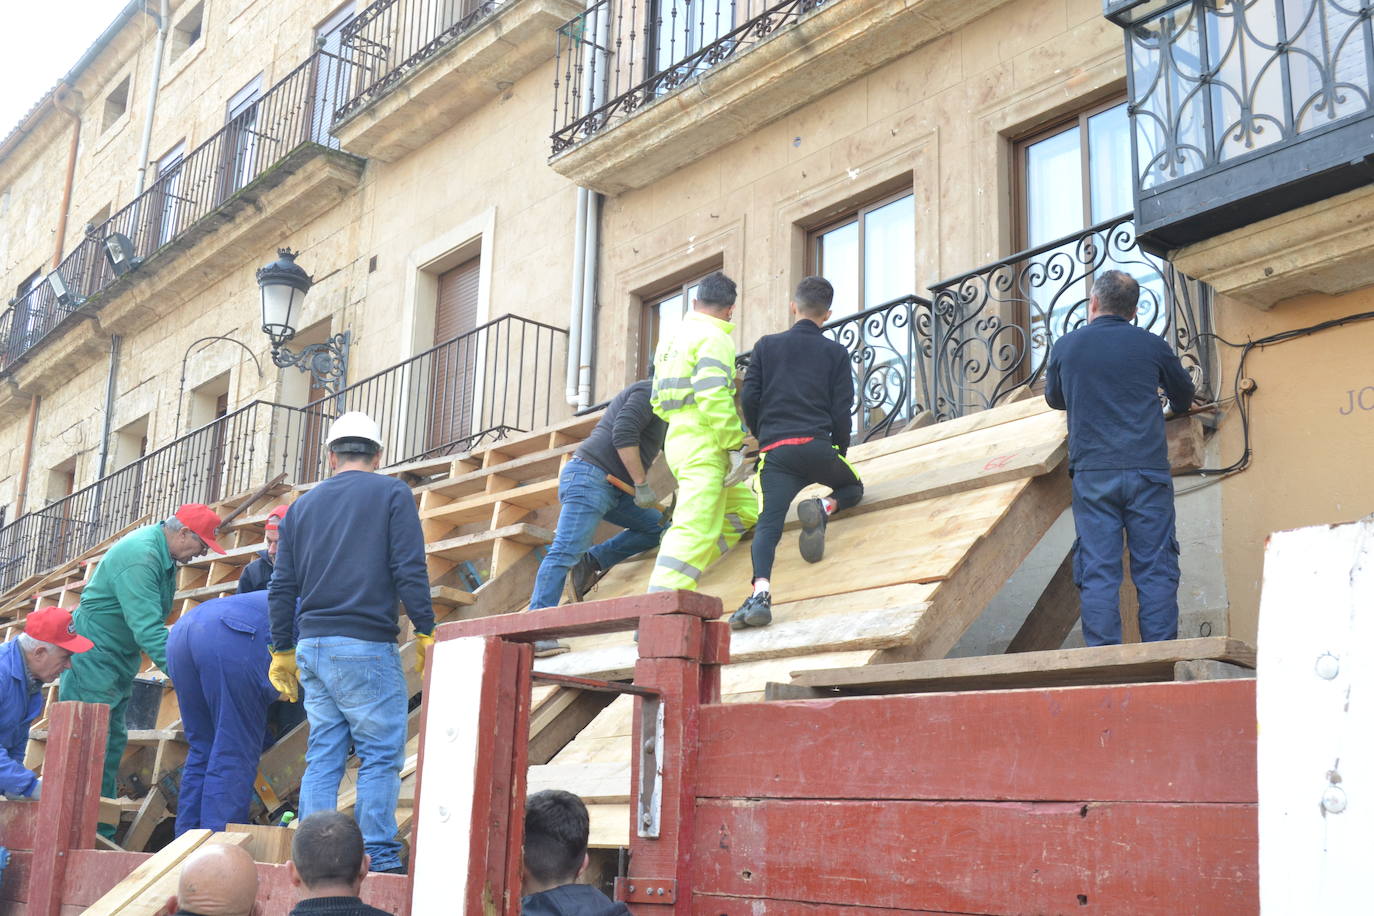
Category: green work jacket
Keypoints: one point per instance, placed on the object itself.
(124, 607)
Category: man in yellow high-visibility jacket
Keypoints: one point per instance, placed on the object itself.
(694, 390)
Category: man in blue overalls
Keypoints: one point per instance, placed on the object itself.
(217, 657)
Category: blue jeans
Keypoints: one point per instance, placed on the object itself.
(1140, 503)
(355, 692)
(586, 498)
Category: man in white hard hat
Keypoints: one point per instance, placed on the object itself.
(349, 549)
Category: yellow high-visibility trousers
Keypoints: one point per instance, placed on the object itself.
(709, 518)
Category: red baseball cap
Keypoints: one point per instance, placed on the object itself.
(54, 625)
(203, 521)
(275, 516)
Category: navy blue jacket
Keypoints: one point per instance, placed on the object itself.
(18, 709)
(256, 574)
(572, 900)
(799, 383)
(349, 550)
(1108, 375)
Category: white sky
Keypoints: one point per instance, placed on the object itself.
(46, 39)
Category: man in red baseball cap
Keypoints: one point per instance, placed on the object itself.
(256, 575)
(123, 610)
(41, 653)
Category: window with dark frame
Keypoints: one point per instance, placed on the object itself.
(868, 255)
(661, 313)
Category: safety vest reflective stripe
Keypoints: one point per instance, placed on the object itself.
(710, 382)
(736, 523)
(676, 565)
(710, 362)
(669, 404)
(722, 545)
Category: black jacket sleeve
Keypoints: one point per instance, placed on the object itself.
(842, 403)
(1054, 388)
(751, 392)
(634, 416)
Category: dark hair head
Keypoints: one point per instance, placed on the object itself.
(813, 296)
(1117, 293)
(351, 446)
(716, 289)
(328, 849)
(556, 827)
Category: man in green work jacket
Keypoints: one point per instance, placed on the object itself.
(124, 611)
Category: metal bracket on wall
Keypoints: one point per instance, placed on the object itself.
(647, 814)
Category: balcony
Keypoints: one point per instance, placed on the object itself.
(501, 378)
(644, 87)
(411, 69)
(1254, 140)
(274, 165)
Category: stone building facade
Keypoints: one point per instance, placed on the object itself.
(403, 149)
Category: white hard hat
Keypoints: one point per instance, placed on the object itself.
(354, 425)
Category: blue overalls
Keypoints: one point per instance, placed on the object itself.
(217, 658)
(18, 708)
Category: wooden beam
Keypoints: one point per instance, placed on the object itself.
(269, 845)
(1054, 614)
(152, 901)
(558, 720)
(150, 814)
(141, 879)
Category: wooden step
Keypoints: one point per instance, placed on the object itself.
(237, 556)
(472, 546)
(478, 508)
(449, 597)
(503, 450)
(1128, 664)
(206, 592)
(529, 468)
(421, 470)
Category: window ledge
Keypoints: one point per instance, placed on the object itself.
(475, 68)
(1324, 247)
(834, 45)
(177, 67)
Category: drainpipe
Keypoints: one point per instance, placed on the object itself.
(589, 278)
(575, 311)
(28, 457)
(115, 341)
(145, 145)
(65, 207)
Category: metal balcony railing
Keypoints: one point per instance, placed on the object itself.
(989, 332)
(620, 55)
(390, 39)
(1212, 81)
(253, 142)
(500, 378)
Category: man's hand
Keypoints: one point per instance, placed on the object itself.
(284, 676)
(739, 467)
(645, 497)
(422, 643)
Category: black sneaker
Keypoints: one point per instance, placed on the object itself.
(813, 520)
(756, 611)
(585, 574)
(544, 648)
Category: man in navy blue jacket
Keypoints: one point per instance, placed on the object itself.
(1108, 375)
(349, 549)
(42, 652)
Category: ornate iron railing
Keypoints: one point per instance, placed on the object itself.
(620, 55)
(990, 331)
(1212, 81)
(391, 39)
(253, 142)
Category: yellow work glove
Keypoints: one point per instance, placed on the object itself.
(422, 643)
(283, 675)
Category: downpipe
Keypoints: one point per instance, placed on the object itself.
(146, 143)
(589, 280)
(575, 297)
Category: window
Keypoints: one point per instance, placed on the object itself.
(869, 255)
(21, 326)
(187, 30)
(454, 376)
(241, 136)
(116, 103)
(130, 443)
(333, 75)
(682, 28)
(661, 314)
(166, 191)
(99, 219)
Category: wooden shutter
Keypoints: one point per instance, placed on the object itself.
(453, 373)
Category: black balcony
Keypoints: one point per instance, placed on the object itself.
(618, 57)
(253, 143)
(1243, 111)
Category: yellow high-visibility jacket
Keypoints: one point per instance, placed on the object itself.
(694, 375)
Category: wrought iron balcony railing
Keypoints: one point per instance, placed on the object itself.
(620, 55)
(1216, 85)
(253, 142)
(500, 378)
(390, 39)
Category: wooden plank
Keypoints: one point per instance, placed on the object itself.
(588, 617)
(132, 888)
(609, 827)
(153, 900)
(1151, 661)
(150, 814)
(597, 783)
(1052, 618)
(1206, 669)
(1058, 857)
(472, 546)
(448, 596)
(560, 717)
(477, 508)
(1166, 742)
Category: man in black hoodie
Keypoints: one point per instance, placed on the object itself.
(797, 398)
(556, 830)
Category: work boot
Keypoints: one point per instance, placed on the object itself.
(544, 648)
(813, 520)
(585, 574)
(756, 611)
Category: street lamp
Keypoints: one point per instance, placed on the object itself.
(283, 285)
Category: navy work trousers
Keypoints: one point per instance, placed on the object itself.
(218, 663)
(1140, 504)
